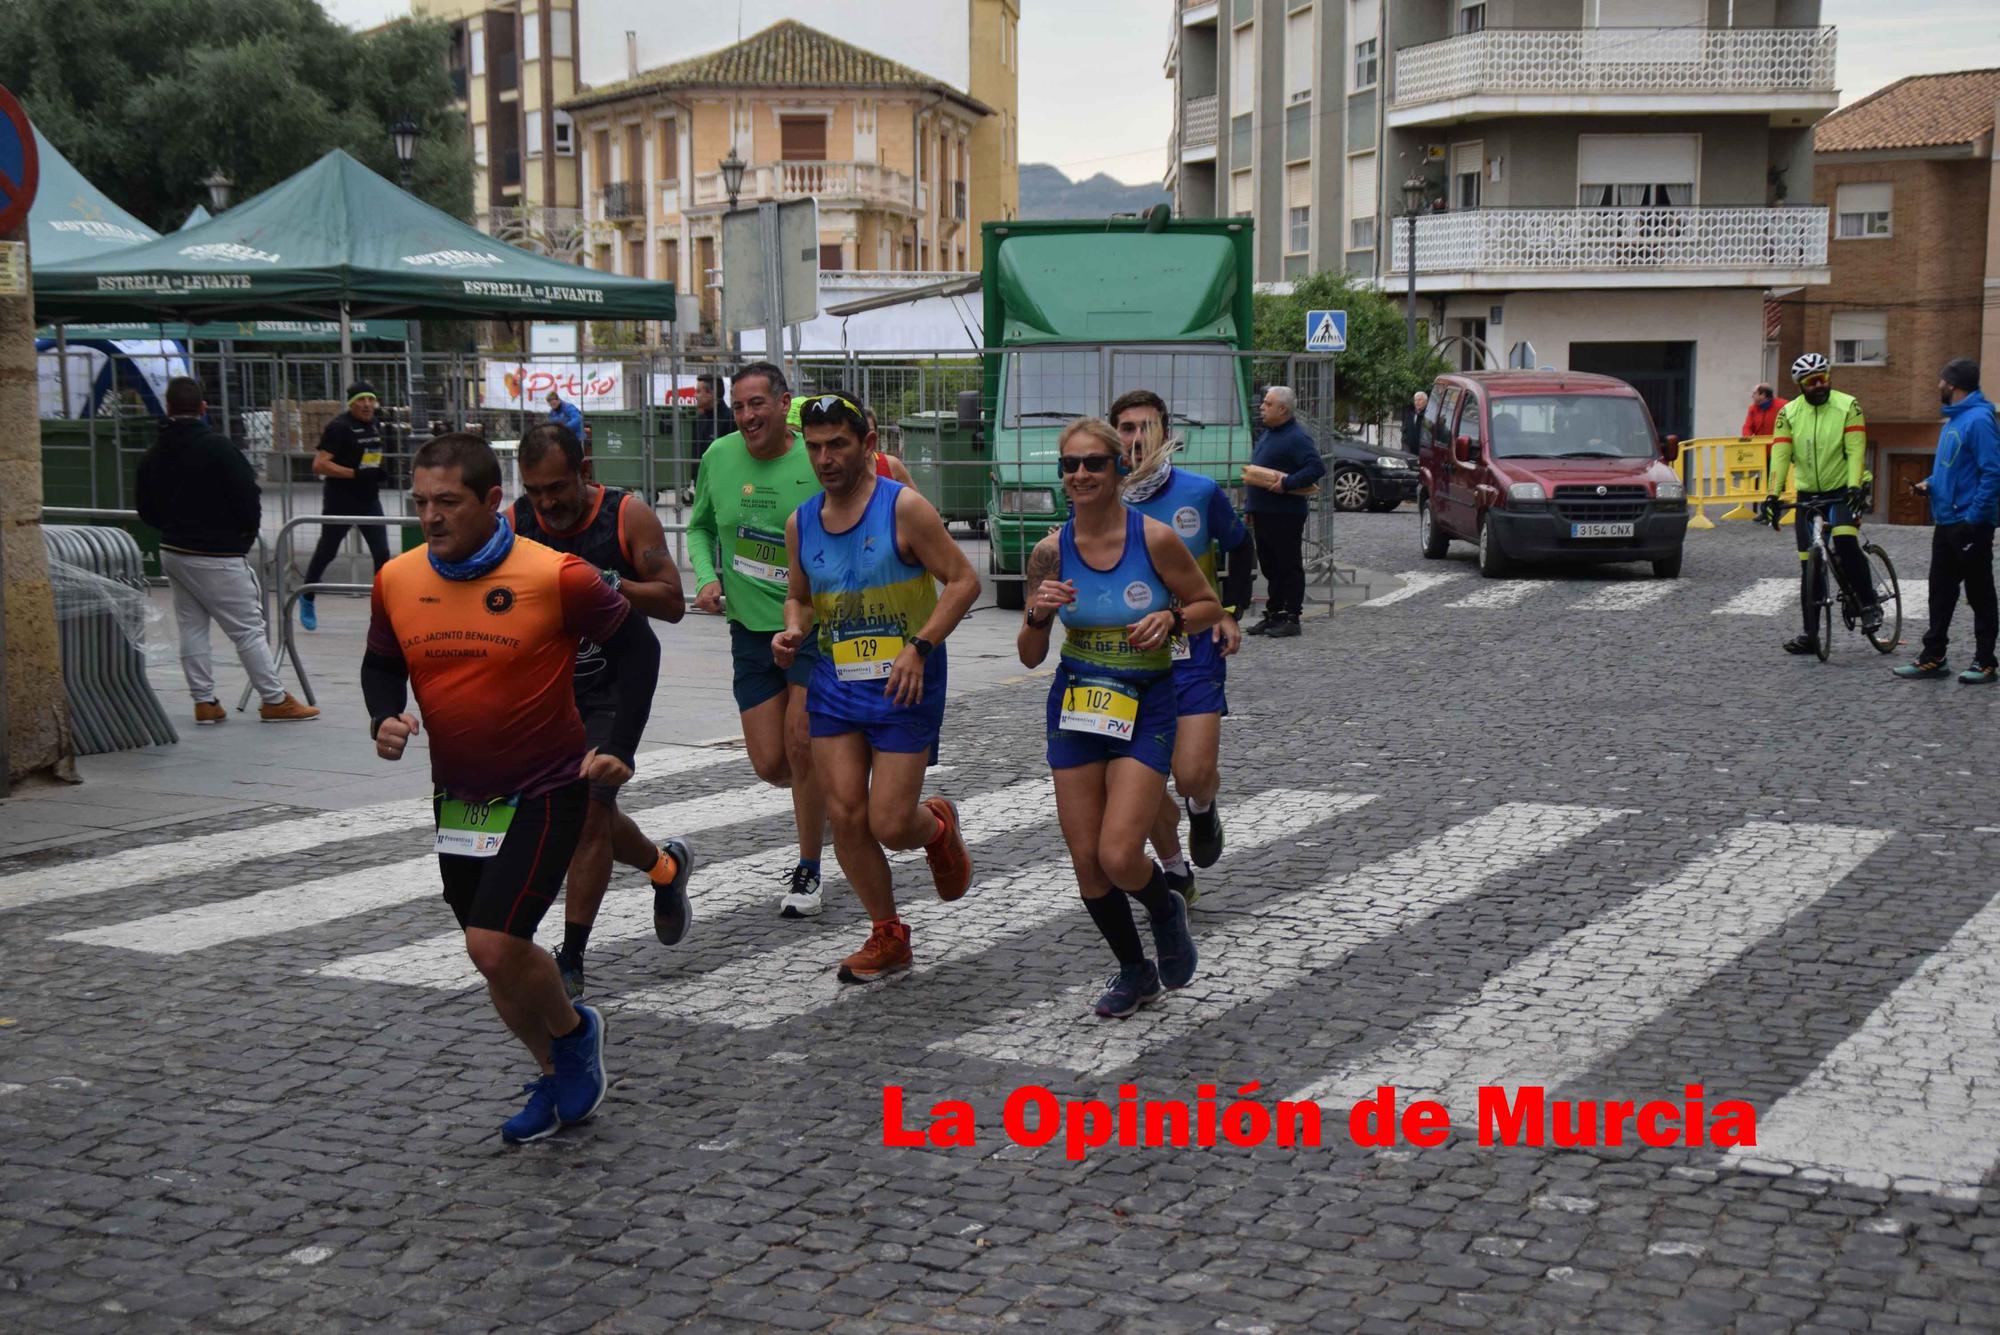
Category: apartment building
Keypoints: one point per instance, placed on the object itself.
(512, 63)
(1600, 185)
(1910, 177)
(887, 151)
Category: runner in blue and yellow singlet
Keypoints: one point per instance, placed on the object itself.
(864, 560)
(1124, 586)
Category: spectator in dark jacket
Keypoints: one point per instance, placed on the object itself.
(1413, 421)
(196, 487)
(1284, 466)
(1964, 492)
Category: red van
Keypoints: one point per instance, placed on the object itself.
(1548, 466)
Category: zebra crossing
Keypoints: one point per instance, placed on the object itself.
(1910, 1096)
(1763, 597)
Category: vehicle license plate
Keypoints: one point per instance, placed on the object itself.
(1600, 530)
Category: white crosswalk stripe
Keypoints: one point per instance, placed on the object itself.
(1626, 597)
(1278, 943)
(1567, 1006)
(309, 903)
(439, 961)
(127, 868)
(779, 985)
(1912, 1097)
(1765, 598)
(1503, 593)
(1414, 583)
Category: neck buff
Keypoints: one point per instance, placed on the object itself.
(1138, 493)
(492, 554)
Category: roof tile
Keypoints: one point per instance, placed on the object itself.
(1922, 111)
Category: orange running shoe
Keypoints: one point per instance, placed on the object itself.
(887, 952)
(951, 861)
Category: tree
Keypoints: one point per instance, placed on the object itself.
(1377, 374)
(147, 97)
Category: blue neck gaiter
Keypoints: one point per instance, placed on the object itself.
(492, 554)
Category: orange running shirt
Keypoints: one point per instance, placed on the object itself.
(490, 660)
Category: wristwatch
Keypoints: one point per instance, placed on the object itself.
(922, 646)
(611, 577)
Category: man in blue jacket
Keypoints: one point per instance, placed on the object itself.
(566, 414)
(1278, 510)
(1964, 491)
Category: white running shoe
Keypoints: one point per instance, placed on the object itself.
(803, 900)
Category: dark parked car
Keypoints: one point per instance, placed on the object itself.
(1360, 476)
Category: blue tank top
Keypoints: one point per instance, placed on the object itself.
(869, 603)
(1107, 601)
(1191, 505)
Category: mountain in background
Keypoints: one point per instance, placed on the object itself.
(1047, 193)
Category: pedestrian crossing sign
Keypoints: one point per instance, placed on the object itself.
(1326, 331)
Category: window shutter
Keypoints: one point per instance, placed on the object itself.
(1468, 159)
(1864, 197)
(802, 138)
(1361, 186)
(1240, 202)
(1299, 52)
(1637, 159)
(1298, 186)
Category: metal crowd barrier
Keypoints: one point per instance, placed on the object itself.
(112, 705)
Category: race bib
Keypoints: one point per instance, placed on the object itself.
(865, 657)
(759, 555)
(1182, 651)
(1101, 707)
(474, 829)
(371, 458)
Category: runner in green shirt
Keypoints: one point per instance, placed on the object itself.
(750, 482)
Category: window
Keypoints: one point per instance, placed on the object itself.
(531, 37)
(1472, 16)
(1366, 65)
(1241, 205)
(802, 138)
(1299, 57)
(670, 261)
(1861, 338)
(1243, 67)
(600, 158)
(635, 257)
(1298, 208)
(1049, 383)
(1634, 171)
(563, 127)
(1863, 210)
(670, 150)
(478, 53)
(562, 38)
(1361, 202)
(829, 258)
(533, 119)
(1468, 169)
(479, 145)
(633, 168)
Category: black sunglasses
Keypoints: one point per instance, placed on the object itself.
(1093, 463)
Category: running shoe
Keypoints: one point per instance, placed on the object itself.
(308, 617)
(1182, 884)
(1129, 989)
(538, 1119)
(579, 1061)
(1922, 668)
(1204, 835)
(1978, 676)
(571, 968)
(671, 911)
(951, 861)
(1175, 944)
(207, 713)
(803, 899)
(1802, 644)
(887, 951)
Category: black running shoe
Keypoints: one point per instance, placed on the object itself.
(571, 968)
(671, 911)
(1263, 627)
(1204, 835)
(1802, 644)
(1182, 885)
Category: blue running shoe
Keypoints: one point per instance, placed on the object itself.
(1130, 988)
(1175, 944)
(307, 616)
(579, 1060)
(538, 1120)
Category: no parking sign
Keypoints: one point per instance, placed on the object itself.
(20, 165)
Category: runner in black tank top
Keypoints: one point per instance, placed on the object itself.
(619, 534)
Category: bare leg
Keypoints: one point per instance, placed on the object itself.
(526, 989)
(1080, 809)
(1132, 793)
(842, 766)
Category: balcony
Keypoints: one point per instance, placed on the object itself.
(621, 201)
(1198, 11)
(1490, 250)
(849, 183)
(1198, 129)
(1629, 71)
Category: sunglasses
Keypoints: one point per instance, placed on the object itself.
(825, 403)
(1815, 381)
(1092, 463)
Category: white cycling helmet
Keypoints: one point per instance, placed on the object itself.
(1812, 363)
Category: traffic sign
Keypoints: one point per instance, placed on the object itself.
(20, 165)
(1326, 331)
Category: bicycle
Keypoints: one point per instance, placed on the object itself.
(1820, 564)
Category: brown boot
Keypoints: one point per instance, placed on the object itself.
(286, 710)
(208, 712)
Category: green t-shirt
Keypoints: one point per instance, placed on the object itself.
(741, 504)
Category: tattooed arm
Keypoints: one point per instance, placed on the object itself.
(1045, 596)
(658, 592)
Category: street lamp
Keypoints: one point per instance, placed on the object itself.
(403, 134)
(403, 137)
(219, 185)
(1414, 190)
(732, 176)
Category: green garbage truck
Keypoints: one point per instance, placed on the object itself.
(1081, 312)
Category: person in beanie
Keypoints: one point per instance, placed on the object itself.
(1964, 492)
(350, 459)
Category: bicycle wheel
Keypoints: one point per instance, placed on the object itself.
(1822, 619)
(1882, 571)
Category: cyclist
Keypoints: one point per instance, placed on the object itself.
(1822, 440)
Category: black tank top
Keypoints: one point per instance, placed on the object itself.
(598, 540)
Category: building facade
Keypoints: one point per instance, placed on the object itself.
(888, 152)
(1912, 187)
(1598, 185)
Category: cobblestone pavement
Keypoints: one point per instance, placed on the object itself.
(1595, 833)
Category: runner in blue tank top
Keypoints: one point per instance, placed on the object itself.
(1198, 511)
(865, 558)
(1114, 577)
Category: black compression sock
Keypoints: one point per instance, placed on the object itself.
(576, 935)
(1156, 897)
(1113, 916)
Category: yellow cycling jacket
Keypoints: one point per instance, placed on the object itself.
(1826, 445)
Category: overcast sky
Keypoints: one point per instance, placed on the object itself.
(1093, 98)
